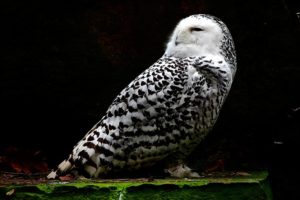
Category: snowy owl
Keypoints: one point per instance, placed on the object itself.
(165, 112)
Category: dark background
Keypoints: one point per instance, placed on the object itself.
(62, 63)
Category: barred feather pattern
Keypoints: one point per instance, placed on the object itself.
(166, 110)
(163, 113)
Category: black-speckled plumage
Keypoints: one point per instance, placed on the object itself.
(167, 110)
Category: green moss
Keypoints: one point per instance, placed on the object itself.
(254, 187)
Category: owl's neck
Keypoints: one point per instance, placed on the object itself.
(190, 50)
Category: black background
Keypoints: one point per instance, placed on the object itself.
(62, 63)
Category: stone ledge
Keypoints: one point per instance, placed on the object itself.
(253, 187)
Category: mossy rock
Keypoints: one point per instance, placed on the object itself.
(247, 187)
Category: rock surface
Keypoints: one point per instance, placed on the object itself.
(236, 186)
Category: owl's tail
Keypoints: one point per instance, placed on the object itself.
(62, 168)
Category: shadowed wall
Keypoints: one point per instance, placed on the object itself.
(62, 63)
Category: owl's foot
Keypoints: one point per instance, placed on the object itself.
(182, 171)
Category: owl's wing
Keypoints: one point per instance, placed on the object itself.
(148, 104)
(165, 98)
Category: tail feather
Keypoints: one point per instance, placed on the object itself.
(52, 175)
(63, 167)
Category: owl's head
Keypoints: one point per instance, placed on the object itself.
(199, 35)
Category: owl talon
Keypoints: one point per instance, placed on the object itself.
(182, 171)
